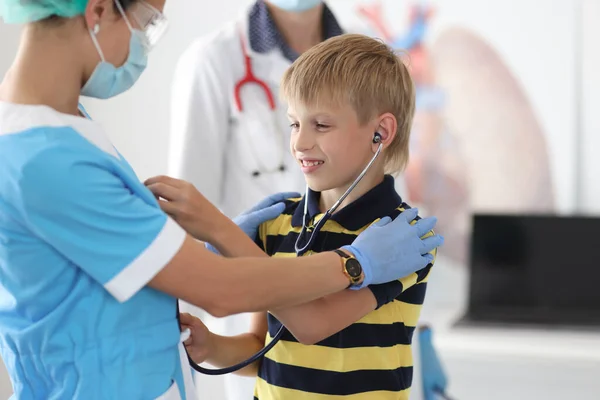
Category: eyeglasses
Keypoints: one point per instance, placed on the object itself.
(151, 22)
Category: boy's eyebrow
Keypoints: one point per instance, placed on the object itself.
(323, 114)
(315, 115)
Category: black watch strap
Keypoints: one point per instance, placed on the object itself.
(341, 253)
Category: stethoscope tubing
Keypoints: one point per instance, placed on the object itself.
(299, 251)
(223, 371)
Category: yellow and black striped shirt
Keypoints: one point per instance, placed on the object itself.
(372, 358)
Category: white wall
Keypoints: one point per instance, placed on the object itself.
(9, 40)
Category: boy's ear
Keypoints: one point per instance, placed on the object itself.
(387, 129)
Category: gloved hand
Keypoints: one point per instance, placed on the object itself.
(266, 210)
(389, 250)
(433, 376)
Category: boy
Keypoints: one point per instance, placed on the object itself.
(354, 344)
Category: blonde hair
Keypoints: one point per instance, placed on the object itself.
(364, 72)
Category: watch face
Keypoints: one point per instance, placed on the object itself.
(353, 268)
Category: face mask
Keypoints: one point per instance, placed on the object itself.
(295, 5)
(107, 80)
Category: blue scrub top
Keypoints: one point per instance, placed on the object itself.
(80, 237)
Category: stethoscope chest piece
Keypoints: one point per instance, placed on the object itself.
(257, 173)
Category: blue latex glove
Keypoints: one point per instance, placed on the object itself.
(266, 210)
(389, 250)
(435, 381)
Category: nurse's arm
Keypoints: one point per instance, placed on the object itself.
(226, 286)
(319, 319)
(310, 322)
(71, 198)
(313, 322)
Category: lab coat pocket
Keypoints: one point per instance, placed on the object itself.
(260, 140)
(171, 394)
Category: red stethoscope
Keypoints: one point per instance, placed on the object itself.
(250, 78)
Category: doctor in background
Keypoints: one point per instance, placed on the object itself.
(230, 133)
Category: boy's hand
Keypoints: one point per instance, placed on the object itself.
(198, 345)
(188, 207)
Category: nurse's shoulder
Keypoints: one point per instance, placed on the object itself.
(40, 145)
(29, 131)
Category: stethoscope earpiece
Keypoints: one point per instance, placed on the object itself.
(377, 138)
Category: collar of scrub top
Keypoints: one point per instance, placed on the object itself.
(376, 203)
(264, 35)
(86, 115)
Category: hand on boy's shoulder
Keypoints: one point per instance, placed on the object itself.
(290, 206)
(292, 201)
(403, 207)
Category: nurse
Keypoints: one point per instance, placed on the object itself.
(236, 128)
(90, 266)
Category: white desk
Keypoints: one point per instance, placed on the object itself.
(507, 363)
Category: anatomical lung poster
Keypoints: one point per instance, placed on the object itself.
(496, 104)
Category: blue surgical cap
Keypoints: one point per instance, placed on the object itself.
(24, 11)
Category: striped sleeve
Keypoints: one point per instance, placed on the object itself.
(261, 238)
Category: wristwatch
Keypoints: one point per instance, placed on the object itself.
(352, 268)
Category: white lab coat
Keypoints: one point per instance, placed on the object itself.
(212, 144)
(217, 148)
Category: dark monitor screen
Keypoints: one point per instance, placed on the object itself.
(535, 269)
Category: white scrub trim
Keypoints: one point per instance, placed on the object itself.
(154, 258)
(188, 380)
(15, 120)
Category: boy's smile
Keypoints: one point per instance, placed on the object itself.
(308, 165)
(331, 146)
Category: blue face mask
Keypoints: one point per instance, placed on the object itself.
(295, 5)
(107, 80)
